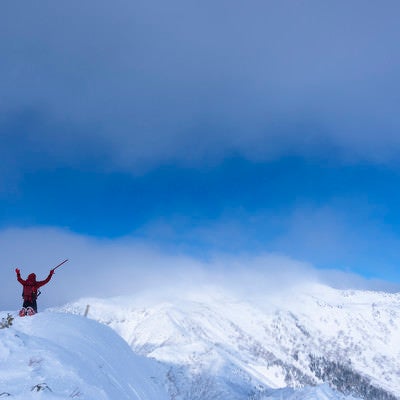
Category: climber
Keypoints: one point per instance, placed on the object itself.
(31, 291)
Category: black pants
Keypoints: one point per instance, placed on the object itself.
(30, 303)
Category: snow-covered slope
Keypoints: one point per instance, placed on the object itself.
(218, 347)
(60, 356)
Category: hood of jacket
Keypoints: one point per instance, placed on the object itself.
(31, 278)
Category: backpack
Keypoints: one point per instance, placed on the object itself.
(30, 292)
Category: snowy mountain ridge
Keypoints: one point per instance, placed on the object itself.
(218, 347)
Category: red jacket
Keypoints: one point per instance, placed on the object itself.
(31, 285)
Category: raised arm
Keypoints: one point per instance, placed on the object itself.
(20, 280)
(41, 283)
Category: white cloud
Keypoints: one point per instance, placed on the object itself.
(125, 266)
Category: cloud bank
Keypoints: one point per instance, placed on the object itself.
(127, 266)
(133, 85)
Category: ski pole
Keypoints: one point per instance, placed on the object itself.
(59, 265)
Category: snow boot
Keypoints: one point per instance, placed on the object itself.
(22, 312)
(30, 311)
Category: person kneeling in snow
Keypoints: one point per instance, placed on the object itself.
(30, 291)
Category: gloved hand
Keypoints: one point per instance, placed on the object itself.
(51, 271)
(17, 271)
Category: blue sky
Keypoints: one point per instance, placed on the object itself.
(203, 128)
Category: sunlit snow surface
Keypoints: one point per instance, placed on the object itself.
(208, 346)
(219, 347)
(60, 356)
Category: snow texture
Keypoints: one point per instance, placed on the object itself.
(317, 343)
(60, 356)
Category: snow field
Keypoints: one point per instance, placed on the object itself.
(60, 356)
